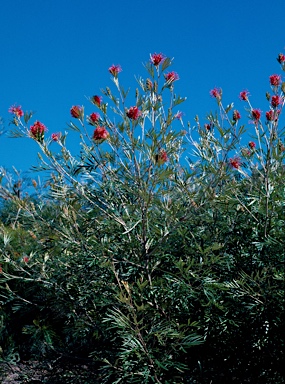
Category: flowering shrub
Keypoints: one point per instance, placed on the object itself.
(160, 263)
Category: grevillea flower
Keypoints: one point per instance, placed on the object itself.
(56, 136)
(1, 270)
(100, 134)
(236, 115)
(76, 111)
(235, 162)
(157, 58)
(25, 259)
(133, 113)
(276, 100)
(281, 58)
(275, 80)
(115, 70)
(244, 95)
(171, 77)
(93, 118)
(256, 113)
(96, 100)
(16, 110)
(216, 93)
(251, 144)
(37, 131)
(272, 115)
(161, 158)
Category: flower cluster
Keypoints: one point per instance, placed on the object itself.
(244, 95)
(100, 134)
(115, 70)
(76, 111)
(16, 110)
(157, 58)
(170, 77)
(216, 93)
(276, 101)
(236, 115)
(281, 58)
(275, 80)
(272, 115)
(256, 114)
(93, 119)
(251, 144)
(37, 131)
(56, 136)
(133, 113)
(97, 100)
(235, 162)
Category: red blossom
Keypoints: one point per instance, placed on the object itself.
(252, 144)
(37, 131)
(272, 115)
(209, 126)
(161, 158)
(133, 113)
(216, 93)
(76, 111)
(281, 58)
(276, 100)
(235, 162)
(236, 115)
(157, 58)
(25, 259)
(171, 77)
(16, 110)
(1, 270)
(100, 134)
(275, 80)
(97, 100)
(256, 113)
(56, 136)
(93, 118)
(244, 95)
(115, 70)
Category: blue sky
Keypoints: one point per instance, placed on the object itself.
(56, 52)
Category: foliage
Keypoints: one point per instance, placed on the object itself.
(161, 265)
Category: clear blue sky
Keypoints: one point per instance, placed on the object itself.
(56, 52)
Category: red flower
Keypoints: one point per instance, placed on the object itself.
(252, 144)
(76, 111)
(216, 93)
(25, 259)
(96, 100)
(236, 115)
(115, 69)
(281, 58)
(133, 113)
(16, 110)
(244, 95)
(256, 113)
(161, 158)
(37, 131)
(235, 162)
(1, 270)
(276, 100)
(272, 115)
(56, 136)
(171, 77)
(100, 134)
(93, 118)
(275, 80)
(157, 58)
(209, 126)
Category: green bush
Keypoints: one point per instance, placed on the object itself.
(157, 252)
